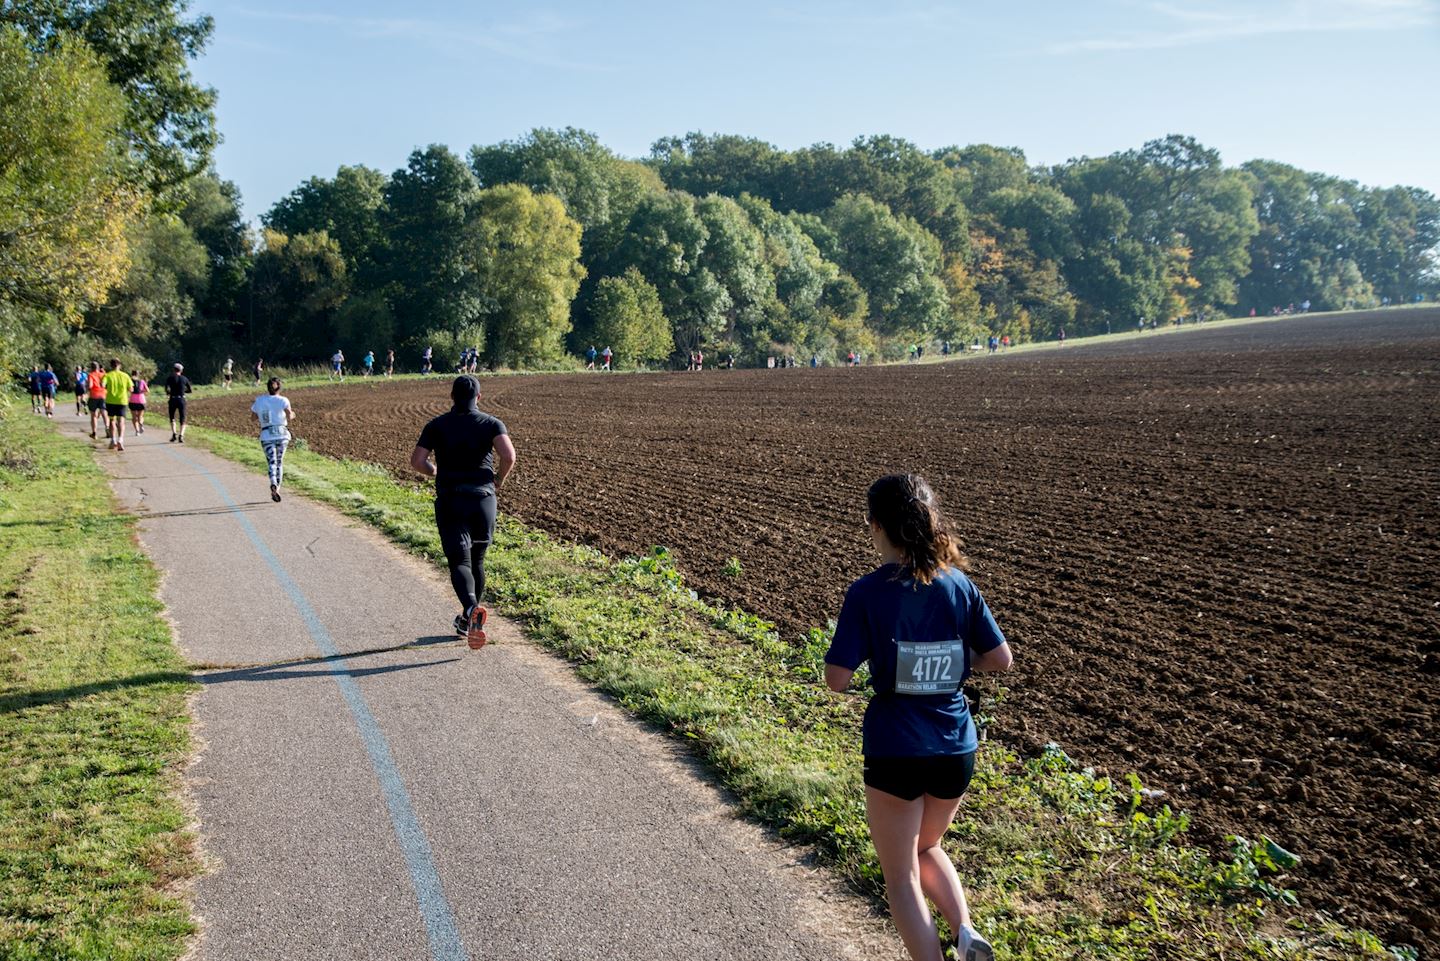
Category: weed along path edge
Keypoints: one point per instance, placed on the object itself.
(368, 787)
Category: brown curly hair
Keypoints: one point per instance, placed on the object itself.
(909, 512)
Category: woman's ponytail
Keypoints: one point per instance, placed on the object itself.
(907, 510)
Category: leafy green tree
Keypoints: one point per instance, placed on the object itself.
(902, 177)
(425, 261)
(210, 207)
(630, 320)
(346, 207)
(598, 189)
(665, 240)
(155, 303)
(524, 251)
(300, 282)
(982, 170)
(895, 260)
(144, 48)
(571, 164)
(701, 164)
(1399, 231)
(734, 253)
(1117, 278)
(65, 205)
(888, 169)
(1180, 197)
(801, 274)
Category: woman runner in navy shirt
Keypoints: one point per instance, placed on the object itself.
(924, 628)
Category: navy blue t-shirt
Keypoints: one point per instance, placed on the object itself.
(885, 609)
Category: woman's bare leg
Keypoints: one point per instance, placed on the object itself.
(895, 826)
(937, 874)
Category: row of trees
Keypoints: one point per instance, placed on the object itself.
(115, 232)
(535, 248)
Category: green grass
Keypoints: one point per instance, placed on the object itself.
(1060, 863)
(94, 845)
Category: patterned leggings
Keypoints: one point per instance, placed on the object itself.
(275, 457)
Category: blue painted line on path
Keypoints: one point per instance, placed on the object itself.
(445, 944)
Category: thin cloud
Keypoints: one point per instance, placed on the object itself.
(866, 17)
(1183, 26)
(525, 40)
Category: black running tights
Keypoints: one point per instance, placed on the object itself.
(467, 523)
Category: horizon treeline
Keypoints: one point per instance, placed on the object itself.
(535, 248)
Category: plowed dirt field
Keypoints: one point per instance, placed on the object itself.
(1216, 553)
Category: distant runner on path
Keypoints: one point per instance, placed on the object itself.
(95, 399)
(473, 455)
(924, 628)
(82, 383)
(33, 382)
(49, 384)
(273, 413)
(177, 385)
(118, 387)
(139, 395)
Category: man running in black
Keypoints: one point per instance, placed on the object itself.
(473, 456)
(177, 385)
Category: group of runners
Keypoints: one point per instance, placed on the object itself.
(605, 357)
(111, 395)
(916, 619)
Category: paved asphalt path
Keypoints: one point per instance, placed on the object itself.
(431, 802)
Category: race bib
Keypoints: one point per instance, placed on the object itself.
(934, 668)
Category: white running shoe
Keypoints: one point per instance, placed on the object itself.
(971, 946)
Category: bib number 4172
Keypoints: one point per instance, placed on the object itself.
(929, 668)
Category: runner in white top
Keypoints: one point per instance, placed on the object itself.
(273, 413)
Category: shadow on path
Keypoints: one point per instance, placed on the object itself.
(143, 514)
(223, 673)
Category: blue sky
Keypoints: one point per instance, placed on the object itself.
(1347, 87)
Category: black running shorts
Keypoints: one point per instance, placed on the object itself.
(115, 410)
(177, 408)
(95, 403)
(946, 776)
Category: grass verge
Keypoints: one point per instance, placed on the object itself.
(1060, 863)
(93, 721)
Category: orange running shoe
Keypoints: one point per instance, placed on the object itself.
(475, 636)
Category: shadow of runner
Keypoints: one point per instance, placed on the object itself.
(143, 514)
(223, 673)
(286, 672)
